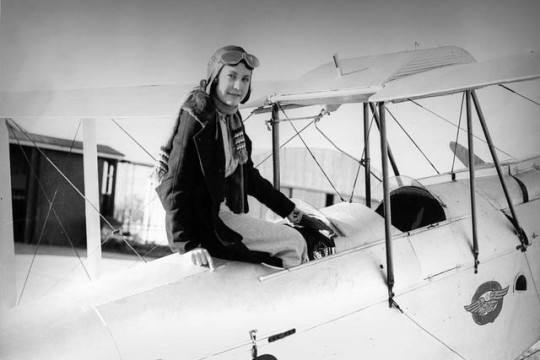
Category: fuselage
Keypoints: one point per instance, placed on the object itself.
(332, 308)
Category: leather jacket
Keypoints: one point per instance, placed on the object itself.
(195, 185)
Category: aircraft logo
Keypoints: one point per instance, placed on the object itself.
(487, 302)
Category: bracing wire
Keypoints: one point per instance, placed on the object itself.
(151, 250)
(343, 152)
(75, 188)
(360, 163)
(132, 138)
(457, 133)
(154, 159)
(76, 266)
(355, 181)
(51, 208)
(451, 123)
(412, 140)
(515, 92)
(432, 335)
(36, 251)
(530, 269)
(285, 143)
(529, 355)
(314, 121)
(334, 144)
(250, 115)
(69, 272)
(312, 155)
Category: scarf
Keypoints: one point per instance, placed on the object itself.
(234, 122)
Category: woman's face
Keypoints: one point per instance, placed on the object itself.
(233, 83)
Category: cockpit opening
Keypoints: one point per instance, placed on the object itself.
(413, 207)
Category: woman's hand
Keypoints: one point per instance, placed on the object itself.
(201, 257)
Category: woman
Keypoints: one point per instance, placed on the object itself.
(208, 174)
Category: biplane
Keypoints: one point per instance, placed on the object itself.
(442, 267)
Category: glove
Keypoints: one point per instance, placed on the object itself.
(295, 216)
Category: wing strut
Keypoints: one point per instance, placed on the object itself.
(367, 159)
(275, 144)
(386, 202)
(8, 279)
(471, 178)
(521, 234)
(390, 154)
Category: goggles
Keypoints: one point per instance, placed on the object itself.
(233, 57)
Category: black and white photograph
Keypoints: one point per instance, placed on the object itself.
(270, 180)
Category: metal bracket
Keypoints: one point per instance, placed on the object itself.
(268, 124)
(394, 304)
(525, 243)
(253, 336)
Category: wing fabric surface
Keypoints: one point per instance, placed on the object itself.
(399, 77)
(361, 77)
(453, 79)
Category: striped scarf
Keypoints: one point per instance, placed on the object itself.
(234, 121)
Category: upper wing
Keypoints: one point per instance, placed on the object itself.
(150, 101)
(400, 76)
(356, 79)
(452, 79)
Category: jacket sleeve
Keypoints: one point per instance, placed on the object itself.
(264, 191)
(176, 188)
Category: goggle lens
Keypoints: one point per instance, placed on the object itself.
(234, 57)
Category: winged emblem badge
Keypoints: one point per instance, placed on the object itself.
(487, 302)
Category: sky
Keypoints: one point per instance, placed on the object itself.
(59, 44)
(80, 44)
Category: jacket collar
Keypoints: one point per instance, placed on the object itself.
(199, 105)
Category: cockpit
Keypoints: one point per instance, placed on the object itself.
(412, 205)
